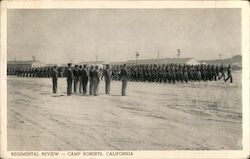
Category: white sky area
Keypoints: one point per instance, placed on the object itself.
(62, 35)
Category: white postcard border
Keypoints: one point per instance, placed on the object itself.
(131, 4)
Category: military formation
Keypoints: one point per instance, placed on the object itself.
(78, 77)
(172, 73)
(42, 72)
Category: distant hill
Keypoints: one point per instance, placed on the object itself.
(235, 62)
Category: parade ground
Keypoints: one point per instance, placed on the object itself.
(153, 116)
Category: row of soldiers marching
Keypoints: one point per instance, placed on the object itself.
(173, 73)
(150, 73)
(35, 72)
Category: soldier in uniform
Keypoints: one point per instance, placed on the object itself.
(124, 79)
(84, 78)
(216, 72)
(69, 74)
(79, 78)
(91, 75)
(222, 71)
(198, 74)
(96, 80)
(54, 74)
(229, 75)
(107, 77)
(185, 74)
(75, 73)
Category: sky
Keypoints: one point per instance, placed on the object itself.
(62, 35)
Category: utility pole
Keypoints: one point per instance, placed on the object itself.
(158, 57)
(136, 56)
(178, 53)
(220, 56)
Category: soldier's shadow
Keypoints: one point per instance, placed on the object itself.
(115, 95)
(58, 95)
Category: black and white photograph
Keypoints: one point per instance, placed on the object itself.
(133, 79)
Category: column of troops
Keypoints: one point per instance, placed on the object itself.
(167, 73)
(79, 76)
(44, 72)
(172, 73)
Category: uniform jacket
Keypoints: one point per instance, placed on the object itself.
(54, 74)
(83, 75)
(107, 74)
(69, 74)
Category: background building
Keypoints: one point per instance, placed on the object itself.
(25, 64)
(181, 61)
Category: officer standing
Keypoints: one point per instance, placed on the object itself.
(91, 71)
(124, 79)
(79, 78)
(69, 74)
(54, 74)
(96, 79)
(75, 73)
(107, 77)
(84, 78)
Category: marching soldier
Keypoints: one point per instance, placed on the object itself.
(107, 77)
(54, 74)
(222, 71)
(124, 79)
(185, 74)
(96, 79)
(70, 76)
(229, 75)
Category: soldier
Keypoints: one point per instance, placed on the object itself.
(222, 71)
(79, 78)
(229, 75)
(91, 71)
(69, 74)
(216, 72)
(185, 74)
(107, 77)
(54, 74)
(84, 78)
(96, 80)
(198, 74)
(75, 73)
(124, 79)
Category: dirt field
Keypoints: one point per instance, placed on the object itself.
(193, 116)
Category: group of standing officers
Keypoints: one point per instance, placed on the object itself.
(78, 77)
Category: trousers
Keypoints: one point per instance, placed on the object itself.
(75, 84)
(107, 86)
(91, 87)
(95, 85)
(80, 85)
(69, 86)
(124, 85)
(54, 81)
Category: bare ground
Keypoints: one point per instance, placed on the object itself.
(193, 116)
